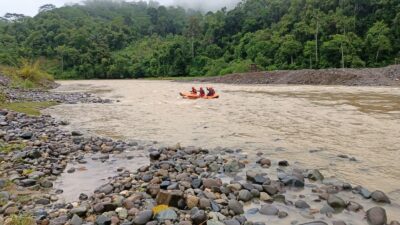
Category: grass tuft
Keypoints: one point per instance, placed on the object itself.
(21, 220)
(29, 108)
(7, 148)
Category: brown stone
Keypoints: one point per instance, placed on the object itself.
(169, 197)
(192, 201)
(209, 182)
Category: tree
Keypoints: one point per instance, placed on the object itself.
(377, 40)
(46, 8)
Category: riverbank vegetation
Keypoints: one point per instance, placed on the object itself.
(103, 39)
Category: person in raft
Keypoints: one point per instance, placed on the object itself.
(202, 92)
(194, 91)
(211, 91)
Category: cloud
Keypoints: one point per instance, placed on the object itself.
(206, 5)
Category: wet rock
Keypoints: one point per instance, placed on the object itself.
(83, 197)
(168, 214)
(293, 181)
(269, 210)
(363, 192)
(336, 202)
(376, 216)
(155, 155)
(76, 220)
(143, 217)
(315, 175)
(3, 183)
(301, 204)
(103, 220)
(255, 193)
(315, 223)
(264, 162)
(196, 183)
(245, 195)
(76, 133)
(282, 214)
(379, 196)
(71, 170)
(235, 206)
(327, 209)
(283, 163)
(354, 206)
(198, 217)
(106, 189)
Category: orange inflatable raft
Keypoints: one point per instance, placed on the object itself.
(190, 95)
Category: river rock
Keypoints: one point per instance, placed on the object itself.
(394, 223)
(379, 196)
(198, 217)
(326, 209)
(282, 214)
(264, 162)
(231, 222)
(26, 135)
(245, 195)
(315, 223)
(155, 155)
(336, 202)
(80, 211)
(235, 206)
(103, 220)
(168, 214)
(192, 201)
(169, 197)
(106, 189)
(269, 210)
(210, 182)
(301, 204)
(61, 220)
(376, 216)
(204, 203)
(28, 182)
(315, 175)
(354, 206)
(143, 217)
(338, 222)
(265, 197)
(283, 163)
(76, 220)
(214, 222)
(292, 180)
(122, 213)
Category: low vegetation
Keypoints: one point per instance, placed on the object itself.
(27, 75)
(30, 108)
(7, 147)
(21, 220)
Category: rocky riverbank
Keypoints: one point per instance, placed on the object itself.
(181, 185)
(387, 76)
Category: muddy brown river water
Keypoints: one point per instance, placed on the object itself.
(310, 126)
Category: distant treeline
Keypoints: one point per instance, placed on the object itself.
(104, 39)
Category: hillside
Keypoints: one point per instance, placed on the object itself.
(103, 39)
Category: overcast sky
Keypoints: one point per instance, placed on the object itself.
(30, 7)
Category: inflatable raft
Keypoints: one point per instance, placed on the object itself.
(190, 95)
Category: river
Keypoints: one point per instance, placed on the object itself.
(310, 126)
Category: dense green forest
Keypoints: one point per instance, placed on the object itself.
(103, 39)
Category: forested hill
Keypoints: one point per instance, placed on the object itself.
(102, 39)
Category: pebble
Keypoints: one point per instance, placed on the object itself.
(376, 216)
(269, 210)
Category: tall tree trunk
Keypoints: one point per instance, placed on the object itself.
(341, 48)
(377, 55)
(316, 43)
(291, 59)
(310, 62)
